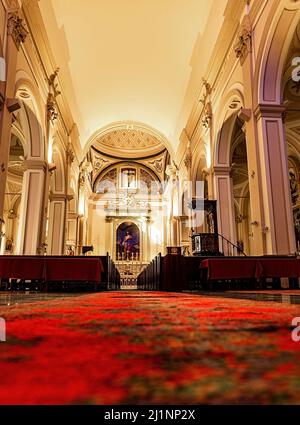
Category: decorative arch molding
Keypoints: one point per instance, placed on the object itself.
(232, 102)
(199, 164)
(24, 82)
(30, 121)
(127, 163)
(128, 125)
(273, 51)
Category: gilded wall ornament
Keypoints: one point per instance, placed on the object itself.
(157, 164)
(99, 162)
(243, 44)
(207, 116)
(16, 28)
(70, 153)
(52, 113)
(188, 159)
(82, 179)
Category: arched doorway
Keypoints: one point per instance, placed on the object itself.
(291, 102)
(13, 194)
(128, 241)
(240, 183)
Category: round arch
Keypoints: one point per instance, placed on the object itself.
(273, 51)
(127, 163)
(30, 123)
(232, 102)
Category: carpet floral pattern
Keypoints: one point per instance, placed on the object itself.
(149, 348)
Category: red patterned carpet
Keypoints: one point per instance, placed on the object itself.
(134, 347)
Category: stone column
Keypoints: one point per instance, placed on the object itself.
(56, 224)
(69, 197)
(275, 186)
(225, 206)
(31, 209)
(81, 233)
(109, 236)
(16, 34)
(243, 50)
(172, 172)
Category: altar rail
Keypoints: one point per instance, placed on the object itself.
(179, 273)
(59, 273)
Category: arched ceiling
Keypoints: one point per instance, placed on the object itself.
(130, 59)
(129, 143)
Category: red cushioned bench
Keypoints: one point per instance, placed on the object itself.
(48, 269)
(247, 268)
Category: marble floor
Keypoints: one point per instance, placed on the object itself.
(15, 298)
(285, 297)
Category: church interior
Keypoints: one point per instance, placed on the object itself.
(149, 202)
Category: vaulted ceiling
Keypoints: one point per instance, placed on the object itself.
(130, 59)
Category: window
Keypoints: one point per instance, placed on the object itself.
(128, 178)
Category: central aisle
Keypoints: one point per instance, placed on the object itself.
(138, 347)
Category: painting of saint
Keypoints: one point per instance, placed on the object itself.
(128, 242)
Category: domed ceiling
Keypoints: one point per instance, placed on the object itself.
(129, 144)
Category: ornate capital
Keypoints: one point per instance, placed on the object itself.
(188, 160)
(81, 179)
(188, 157)
(53, 86)
(70, 153)
(269, 111)
(16, 29)
(52, 113)
(172, 171)
(207, 116)
(243, 44)
(207, 93)
(207, 109)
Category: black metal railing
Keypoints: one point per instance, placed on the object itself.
(228, 248)
(214, 244)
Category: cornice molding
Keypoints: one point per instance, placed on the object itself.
(220, 170)
(269, 111)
